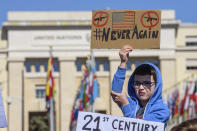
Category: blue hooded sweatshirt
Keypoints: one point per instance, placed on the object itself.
(155, 109)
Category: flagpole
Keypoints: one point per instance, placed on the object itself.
(51, 102)
(51, 116)
(23, 110)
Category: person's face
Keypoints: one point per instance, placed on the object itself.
(144, 87)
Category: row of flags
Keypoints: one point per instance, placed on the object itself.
(87, 93)
(183, 104)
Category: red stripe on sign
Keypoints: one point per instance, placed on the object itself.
(128, 18)
(128, 15)
(122, 28)
(122, 24)
(128, 21)
(129, 12)
(119, 26)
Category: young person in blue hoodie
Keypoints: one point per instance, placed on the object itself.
(144, 89)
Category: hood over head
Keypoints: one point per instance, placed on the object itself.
(157, 94)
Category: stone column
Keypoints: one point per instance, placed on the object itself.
(114, 63)
(68, 90)
(168, 70)
(181, 68)
(15, 67)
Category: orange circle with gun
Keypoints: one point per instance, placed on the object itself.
(100, 19)
(149, 19)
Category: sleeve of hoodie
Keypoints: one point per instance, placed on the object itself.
(118, 80)
(159, 114)
(117, 85)
(129, 109)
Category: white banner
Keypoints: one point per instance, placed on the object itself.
(88, 121)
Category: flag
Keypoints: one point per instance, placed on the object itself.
(123, 20)
(94, 87)
(193, 102)
(175, 99)
(169, 103)
(87, 93)
(191, 86)
(184, 99)
(176, 109)
(193, 96)
(50, 93)
(75, 111)
(3, 122)
(50, 86)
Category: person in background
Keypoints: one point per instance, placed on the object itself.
(189, 125)
(144, 89)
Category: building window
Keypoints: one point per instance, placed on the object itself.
(37, 63)
(37, 66)
(28, 66)
(191, 40)
(156, 62)
(191, 64)
(79, 63)
(56, 66)
(101, 64)
(191, 43)
(135, 62)
(191, 67)
(45, 65)
(40, 91)
(106, 65)
(97, 66)
(129, 65)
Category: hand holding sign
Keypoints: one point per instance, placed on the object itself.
(124, 55)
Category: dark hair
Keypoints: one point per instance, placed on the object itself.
(146, 69)
(189, 125)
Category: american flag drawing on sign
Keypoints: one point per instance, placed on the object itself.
(123, 20)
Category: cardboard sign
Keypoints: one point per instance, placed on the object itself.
(88, 121)
(115, 28)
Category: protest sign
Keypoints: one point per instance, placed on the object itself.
(88, 121)
(114, 28)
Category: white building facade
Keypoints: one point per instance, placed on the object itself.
(24, 51)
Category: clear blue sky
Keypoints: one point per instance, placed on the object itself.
(186, 10)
